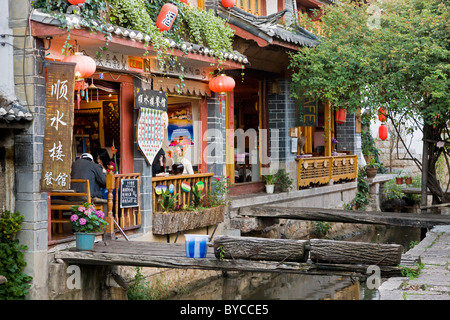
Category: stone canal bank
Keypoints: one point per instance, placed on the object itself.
(433, 282)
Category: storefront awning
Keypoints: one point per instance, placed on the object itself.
(123, 40)
(173, 85)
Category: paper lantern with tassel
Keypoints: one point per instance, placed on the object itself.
(382, 114)
(383, 132)
(166, 17)
(77, 2)
(228, 4)
(222, 84)
(341, 115)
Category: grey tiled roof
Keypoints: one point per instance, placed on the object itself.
(12, 110)
(77, 22)
(267, 27)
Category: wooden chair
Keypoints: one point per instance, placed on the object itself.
(58, 206)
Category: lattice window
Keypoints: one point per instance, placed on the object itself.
(251, 6)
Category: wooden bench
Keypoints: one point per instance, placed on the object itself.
(58, 206)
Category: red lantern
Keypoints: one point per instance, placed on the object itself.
(341, 115)
(383, 132)
(222, 84)
(228, 3)
(85, 65)
(382, 114)
(166, 17)
(77, 2)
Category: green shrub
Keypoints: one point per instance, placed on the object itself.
(11, 258)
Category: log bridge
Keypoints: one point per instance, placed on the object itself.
(338, 215)
(250, 254)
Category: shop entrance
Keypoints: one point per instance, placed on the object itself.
(97, 120)
(247, 121)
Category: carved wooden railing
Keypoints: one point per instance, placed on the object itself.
(125, 218)
(320, 170)
(183, 197)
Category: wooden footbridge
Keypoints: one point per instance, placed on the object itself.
(335, 215)
(249, 254)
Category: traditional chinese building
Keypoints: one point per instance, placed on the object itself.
(50, 117)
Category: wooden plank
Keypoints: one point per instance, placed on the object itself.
(348, 252)
(170, 255)
(337, 215)
(252, 248)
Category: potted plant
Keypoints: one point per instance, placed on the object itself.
(371, 168)
(404, 176)
(86, 221)
(270, 182)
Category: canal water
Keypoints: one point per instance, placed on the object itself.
(272, 286)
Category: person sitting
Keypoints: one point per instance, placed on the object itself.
(179, 159)
(101, 156)
(86, 168)
(158, 165)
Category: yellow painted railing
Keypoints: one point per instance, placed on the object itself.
(183, 197)
(320, 170)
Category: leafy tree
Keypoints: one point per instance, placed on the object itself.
(391, 54)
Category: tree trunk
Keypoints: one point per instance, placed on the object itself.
(346, 252)
(260, 249)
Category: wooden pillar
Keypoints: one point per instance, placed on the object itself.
(229, 135)
(109, 232)
(328, 128)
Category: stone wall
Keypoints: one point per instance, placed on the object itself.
(30, 90)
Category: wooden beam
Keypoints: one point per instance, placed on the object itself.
(349, 252)
(336, 215)
(251, 248)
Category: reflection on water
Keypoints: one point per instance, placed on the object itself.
(273, 286)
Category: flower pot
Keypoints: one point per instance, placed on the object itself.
(85, 241)
(399, 180)
(371, 172)
(196, 245)
(270, 188)
(408, 180)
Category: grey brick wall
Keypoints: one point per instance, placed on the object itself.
(282, 118)
(345, 134)
(216, 137)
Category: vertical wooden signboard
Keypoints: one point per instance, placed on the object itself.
(57, 159)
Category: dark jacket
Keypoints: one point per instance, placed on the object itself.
(86, 169)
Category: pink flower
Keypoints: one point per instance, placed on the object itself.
(88, 212)
(100, 214)
(73, 217)
(82, 221)
(218, 179)
(81, 209)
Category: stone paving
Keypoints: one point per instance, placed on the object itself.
(433, 282)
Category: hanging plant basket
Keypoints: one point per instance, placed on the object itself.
(172, 222)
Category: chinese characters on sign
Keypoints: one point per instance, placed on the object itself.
(307, 113)
(145, 98)
(57, 158)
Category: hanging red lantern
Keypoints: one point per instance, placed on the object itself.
(383, 132)
(222, 84)
(77, 2)
(382, 114)
(341, 115)
(85, 65)
(228, 3)
(166, 17)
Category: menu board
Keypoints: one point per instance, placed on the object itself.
(57, 155)
(129, 193)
